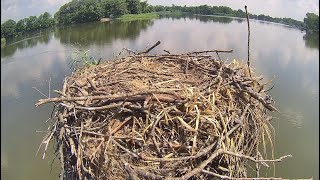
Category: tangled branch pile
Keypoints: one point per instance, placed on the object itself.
(172, 116)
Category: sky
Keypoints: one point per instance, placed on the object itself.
(296, 9)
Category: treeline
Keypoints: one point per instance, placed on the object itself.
(312, 22)
(76, 11)
(80, 11)
(10, 28)
(227, 11)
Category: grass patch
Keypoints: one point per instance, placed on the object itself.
(3, 42)
(170, 13)
(142, 16)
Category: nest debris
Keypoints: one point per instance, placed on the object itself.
(167, 116)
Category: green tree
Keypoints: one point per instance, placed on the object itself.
(115, 8)
(86, 11)
(133, 6)
(79, 11)
(21, 26)
(8, 29)
(159, 8)
(240, 13)
(312, 21)
(45, 20)
(32, 23)
(143, 6)
(204, 9)
(225, 10)
(149, 9)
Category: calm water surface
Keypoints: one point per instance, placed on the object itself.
(289, 55)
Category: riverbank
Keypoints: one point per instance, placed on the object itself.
(142, 16)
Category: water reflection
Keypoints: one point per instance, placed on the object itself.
(10, 49)
(206, 19)
(202, 18)
(312, 39)
(82, 35)
(101, 33)
(295, 118)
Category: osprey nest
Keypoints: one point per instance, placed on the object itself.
(165, 116)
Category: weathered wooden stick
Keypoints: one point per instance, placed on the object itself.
(110, 106)
(120, 125)
(107, 97)
(248, 40)
(143, 173)
(252, 159)
(129, 50)
(216, 154)
(260, 99)
(200, 52)
(167, 51)
(152, 47)
(199, 154)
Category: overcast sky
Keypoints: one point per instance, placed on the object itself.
(296, 9)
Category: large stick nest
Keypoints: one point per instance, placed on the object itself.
(161, 117)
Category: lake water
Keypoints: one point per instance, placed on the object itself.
(287, 54)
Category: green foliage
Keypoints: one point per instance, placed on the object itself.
(312, 21)
(134, 6)
(79, 11)
(149, 9)
(32, 23)
(143, 16)
(8, 29)
(11, 29)
(21, 26)
(45, 20)
(240, 13)
(145, 7)
(82, 58)
(226, 11)
(115, 8)
(159, 8)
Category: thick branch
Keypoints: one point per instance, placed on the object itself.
(110, 98)
(200, 52)
(152, 47)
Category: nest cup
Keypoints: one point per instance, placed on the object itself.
(169, 116)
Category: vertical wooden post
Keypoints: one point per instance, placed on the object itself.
(245, 7)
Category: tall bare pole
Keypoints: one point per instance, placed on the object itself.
(245, 7)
